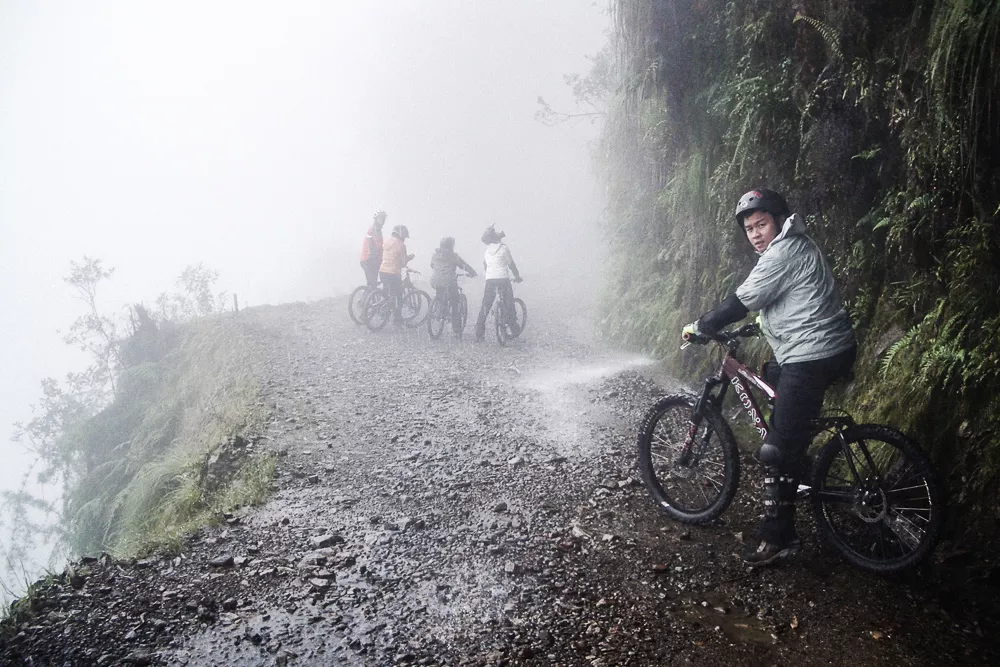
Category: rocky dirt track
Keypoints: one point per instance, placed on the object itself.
(452, 503)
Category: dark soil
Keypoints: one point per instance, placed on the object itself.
(452, 503)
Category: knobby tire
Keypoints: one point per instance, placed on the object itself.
(699, 490)
(436, 319)
(378, 309)
(356, 304)
(900, 521)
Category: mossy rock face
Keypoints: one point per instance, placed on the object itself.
(844, 108)
(223, 463)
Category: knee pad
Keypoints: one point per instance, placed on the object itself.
(769, 455)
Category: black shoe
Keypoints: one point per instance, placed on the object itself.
(762, 553)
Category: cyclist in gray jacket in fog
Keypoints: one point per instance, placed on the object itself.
(807, 327)
(444, 263)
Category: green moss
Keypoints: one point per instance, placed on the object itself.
(886, 142)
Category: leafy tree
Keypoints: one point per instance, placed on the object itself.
(591, 92)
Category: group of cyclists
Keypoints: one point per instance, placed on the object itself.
(385, 259)
(801, 316)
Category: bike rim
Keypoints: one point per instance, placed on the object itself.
(879, 506)
(692, 482)
(435, 321)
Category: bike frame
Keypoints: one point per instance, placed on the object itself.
(734, 373)
(498, 310)
(446, 298)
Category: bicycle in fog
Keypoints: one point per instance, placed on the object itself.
(501, 318)
(443, 311)
(414, 304)
(875, 496)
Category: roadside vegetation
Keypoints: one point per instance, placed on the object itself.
(155, 439)
(880, 123)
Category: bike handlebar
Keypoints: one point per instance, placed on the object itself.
(746, 331)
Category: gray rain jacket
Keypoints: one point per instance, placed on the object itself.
(801, 313)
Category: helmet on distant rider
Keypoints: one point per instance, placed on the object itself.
(401, 231)
(765, 200)
(448, 243)
(380, 216)
(491, 235)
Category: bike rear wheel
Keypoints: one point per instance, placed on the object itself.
(378, 308)
(463, 305)
(692, 484)
(356, 304)
(500, 324)
(435, 321)
(877, 499)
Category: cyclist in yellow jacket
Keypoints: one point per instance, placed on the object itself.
(390, 272)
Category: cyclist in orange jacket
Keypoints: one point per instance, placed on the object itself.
(371, 249)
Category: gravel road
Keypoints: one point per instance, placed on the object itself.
(453, 503)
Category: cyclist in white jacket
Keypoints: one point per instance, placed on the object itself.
(499, 271)
(808, 329)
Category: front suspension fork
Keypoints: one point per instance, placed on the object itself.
(691, 454)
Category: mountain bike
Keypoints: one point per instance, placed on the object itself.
(442, 311)
(414, 304)
(876, 498)
(501, 313)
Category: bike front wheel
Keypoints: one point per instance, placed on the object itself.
(688, 460)
(520, 315)
(377, 309)
(356, 304)
(435, 321)
(877, 499)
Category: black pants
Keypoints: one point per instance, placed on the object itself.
(450, 292)
(394, 285)
(371, 272)
(801, 388)
(493, 285)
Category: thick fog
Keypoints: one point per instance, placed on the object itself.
(258, 137)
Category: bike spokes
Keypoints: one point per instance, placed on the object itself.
(693, 474)
(877, 499)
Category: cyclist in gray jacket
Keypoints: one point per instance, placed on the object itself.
(805, 323)
(444, 263)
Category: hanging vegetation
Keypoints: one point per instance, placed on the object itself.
(879, 121)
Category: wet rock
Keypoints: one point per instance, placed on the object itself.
(326, 540)
(139, 659)
(223, 561)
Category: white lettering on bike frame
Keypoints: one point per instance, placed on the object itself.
(757, 382)
(747, 402)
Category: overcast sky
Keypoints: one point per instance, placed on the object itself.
(258, 137)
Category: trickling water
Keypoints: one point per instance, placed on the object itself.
(565, 402)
